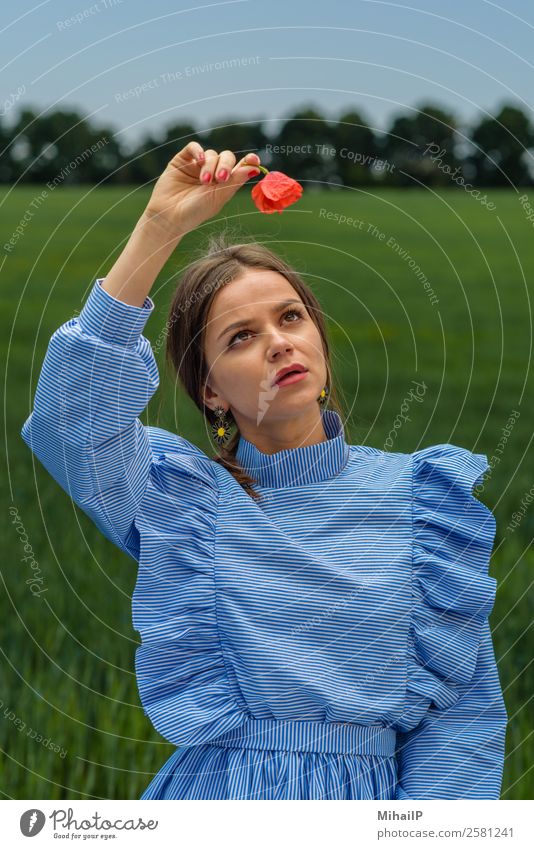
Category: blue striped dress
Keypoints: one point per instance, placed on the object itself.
(329, 642)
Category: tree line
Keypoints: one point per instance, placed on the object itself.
(423, 146)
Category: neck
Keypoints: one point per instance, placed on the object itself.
(307, 462)
(281, 434)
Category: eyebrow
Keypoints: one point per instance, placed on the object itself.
(242, 322)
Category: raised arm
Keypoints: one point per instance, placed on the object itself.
(193, 188)
(98, 375)
(99, 371)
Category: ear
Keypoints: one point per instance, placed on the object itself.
(211, 399)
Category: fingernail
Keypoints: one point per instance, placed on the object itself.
(254, 172)
(206, 177)
(201, 155)
(223, 174)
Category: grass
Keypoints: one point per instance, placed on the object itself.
(68, 657)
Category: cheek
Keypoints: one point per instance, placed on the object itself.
(240, 370)
(312, 338)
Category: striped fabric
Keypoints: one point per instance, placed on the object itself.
(328, 642)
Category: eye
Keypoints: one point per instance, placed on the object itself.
(292, 311)
(231, 343)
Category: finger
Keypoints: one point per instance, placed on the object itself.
(192, 152)
(211, 157)
(241, 173)
(224, 166)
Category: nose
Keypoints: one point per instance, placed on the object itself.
(280, 354)
(280, 345)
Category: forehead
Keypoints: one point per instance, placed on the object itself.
(255, 290)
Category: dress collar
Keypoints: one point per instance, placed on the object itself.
(298, 466)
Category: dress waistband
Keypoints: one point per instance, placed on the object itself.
(303, 736)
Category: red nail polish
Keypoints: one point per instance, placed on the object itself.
(206, 177)
(223, 174)
(253, 172)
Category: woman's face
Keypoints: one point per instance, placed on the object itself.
(252, 333)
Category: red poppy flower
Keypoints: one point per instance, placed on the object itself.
(275, 191)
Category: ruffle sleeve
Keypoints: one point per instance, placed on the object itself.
(453, 594)
(182, 679)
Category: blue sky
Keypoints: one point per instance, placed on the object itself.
(138, 66)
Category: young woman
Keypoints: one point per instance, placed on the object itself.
(313, 614)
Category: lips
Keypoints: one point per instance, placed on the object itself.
(294, 367)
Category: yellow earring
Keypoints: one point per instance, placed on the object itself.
(323, 397)
(220, 430)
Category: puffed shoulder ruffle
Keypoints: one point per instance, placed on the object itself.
(453, 536)
(181, 675)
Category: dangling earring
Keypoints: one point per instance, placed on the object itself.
(323, 397)
(221, 429)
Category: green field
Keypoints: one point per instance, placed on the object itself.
(68, 656)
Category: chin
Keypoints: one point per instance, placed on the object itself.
(293, 403)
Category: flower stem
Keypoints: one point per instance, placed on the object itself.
(252, 165)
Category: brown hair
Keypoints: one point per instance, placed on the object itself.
(222, 262)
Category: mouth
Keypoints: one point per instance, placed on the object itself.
(289, 375)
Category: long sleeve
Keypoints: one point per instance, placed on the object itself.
(98, 374)
(458, 752)
(451, 739)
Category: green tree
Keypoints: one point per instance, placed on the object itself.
(7, 166)
(152, 154)
(237, 135)
(356, 148)
(62, 147)
(417, 144)
(301, 139)
(501, 148)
